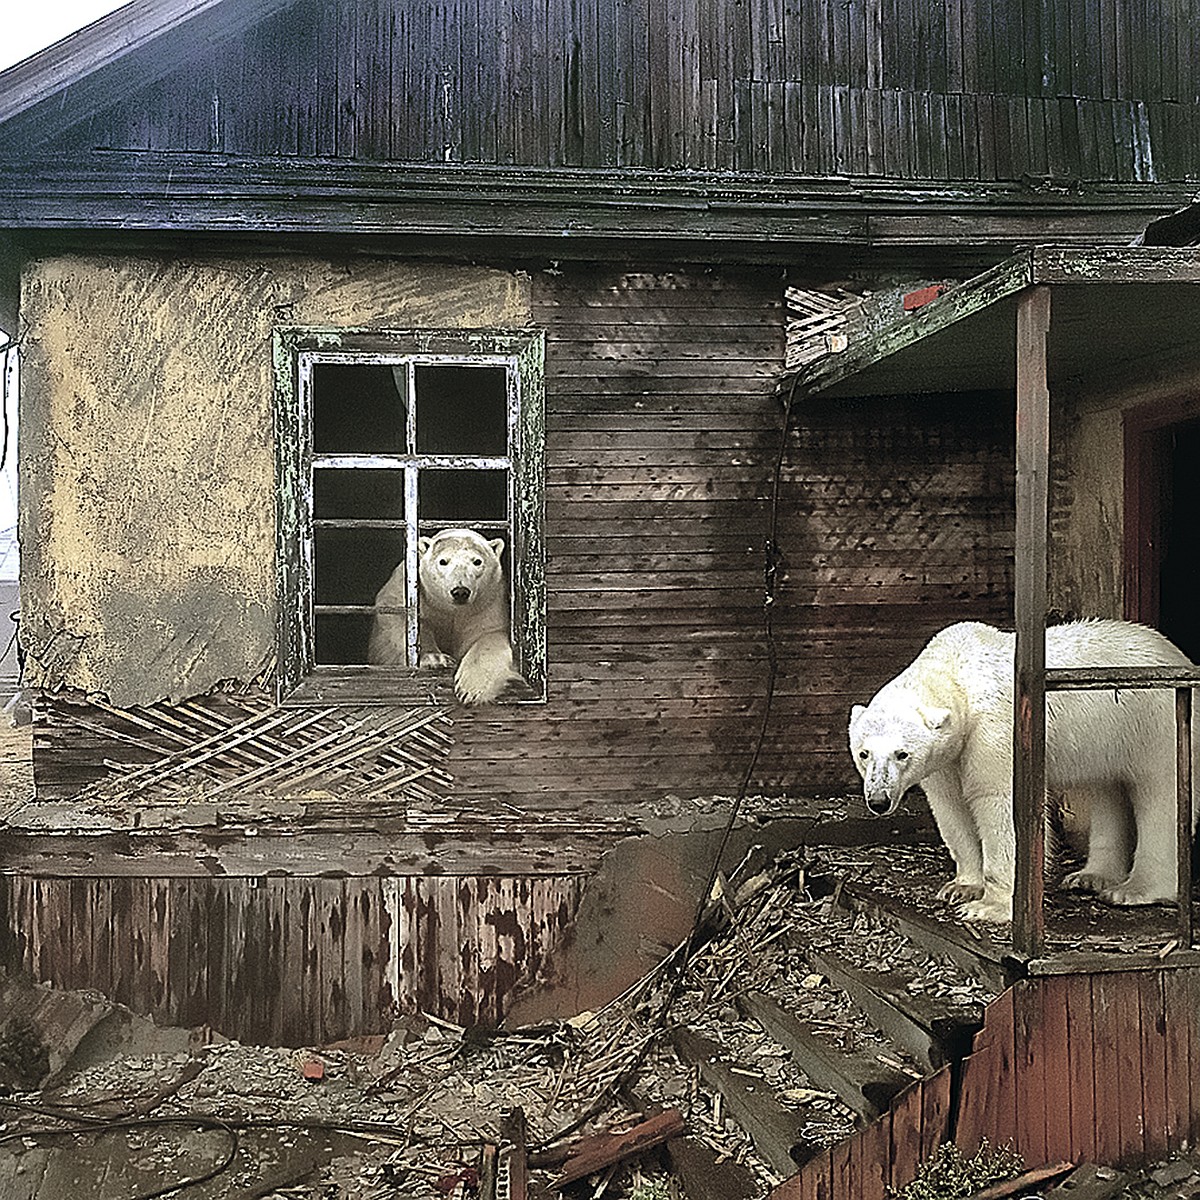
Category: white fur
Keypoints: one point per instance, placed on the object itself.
(945, 722)
(463, 614)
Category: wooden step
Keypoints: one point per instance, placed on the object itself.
(858, 1078)
(775, 1130)
(974, 952)
(934, 1034)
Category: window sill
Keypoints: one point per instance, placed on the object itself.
(374, 686)
(385, 686)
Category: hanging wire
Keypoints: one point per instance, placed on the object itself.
(676, 964)
(7, 357)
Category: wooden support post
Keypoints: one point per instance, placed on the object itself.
(1183, 800)
(1029, 677)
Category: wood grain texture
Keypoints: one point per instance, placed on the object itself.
(292, 961)
(1066, 1069)
(819, 89)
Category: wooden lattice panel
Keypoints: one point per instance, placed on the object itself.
(226, 747)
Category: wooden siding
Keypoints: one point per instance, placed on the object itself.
(928, 89)
(662, 434)
(289, 961)
(1074, 1068)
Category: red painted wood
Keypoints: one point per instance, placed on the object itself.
(874, 1150)
(907, 1114)
(975, 1112)
(1179, 1017)
(1002, 1099)
(1154, 1064)
(1029, 1083)
(1129, 1064)
(1055, 1059)
(1081, 1078)
(842, 1169)
(813, 1178)
(935, 1116)
(1107, 1090)
(1189, 1016)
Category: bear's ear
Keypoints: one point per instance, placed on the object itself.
(856, 713)
(934, 718)
(497, 545)
(423, 545)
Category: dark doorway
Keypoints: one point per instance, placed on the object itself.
(1162, 522)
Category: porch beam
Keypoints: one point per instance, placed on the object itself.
(1029, 676)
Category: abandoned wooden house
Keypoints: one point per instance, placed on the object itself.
(295, 284)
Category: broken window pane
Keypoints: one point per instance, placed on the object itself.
(357, 409)
(462, 410)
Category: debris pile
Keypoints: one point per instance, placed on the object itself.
(803, 1010)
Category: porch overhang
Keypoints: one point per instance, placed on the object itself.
(1046, 318)
(1115, 309)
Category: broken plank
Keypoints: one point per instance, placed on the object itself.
(600, 1150)
(514, 1169)
(932, 1034)
(859, 1079)
(1024, 1182)
(489, 1165)
(704, 1176)
(977, 955)
(774, 1129)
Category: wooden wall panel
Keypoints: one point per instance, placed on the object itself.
(291, 961)
(935, 91)
(662, 429)
(1081, 1068)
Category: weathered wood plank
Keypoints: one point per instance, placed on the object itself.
(933, 1036)
(905, 1154)
(775, 1130)
(862, 1082)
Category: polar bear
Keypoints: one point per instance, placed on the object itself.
(463, 614)
(946, 723)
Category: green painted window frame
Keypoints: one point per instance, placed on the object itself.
(298, 678)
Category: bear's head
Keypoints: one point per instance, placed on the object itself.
(896, 743)
(459, 567)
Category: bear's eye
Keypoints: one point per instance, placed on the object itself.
(864, 755)
(478, 562)
(901, 755)
(443, 562)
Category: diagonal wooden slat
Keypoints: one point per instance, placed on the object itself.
(227, 746)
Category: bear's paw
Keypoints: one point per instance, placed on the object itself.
(958, 891)
(1130, 896)
(1088, 881)
(437, 659)
(987, 908)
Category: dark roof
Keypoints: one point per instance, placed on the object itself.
(740, 120)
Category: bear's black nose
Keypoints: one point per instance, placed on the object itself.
(460, 595)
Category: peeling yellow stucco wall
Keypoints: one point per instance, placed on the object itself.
(1087, 437)
(147, 452)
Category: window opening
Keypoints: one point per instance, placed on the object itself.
(386, 436)
(402, 447)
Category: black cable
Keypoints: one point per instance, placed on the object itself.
(4, 353)
(682, 957)
(78, 1124)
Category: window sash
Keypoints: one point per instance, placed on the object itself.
(296, 351)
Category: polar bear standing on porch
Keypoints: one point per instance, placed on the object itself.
(463, 614)
(946, 723)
